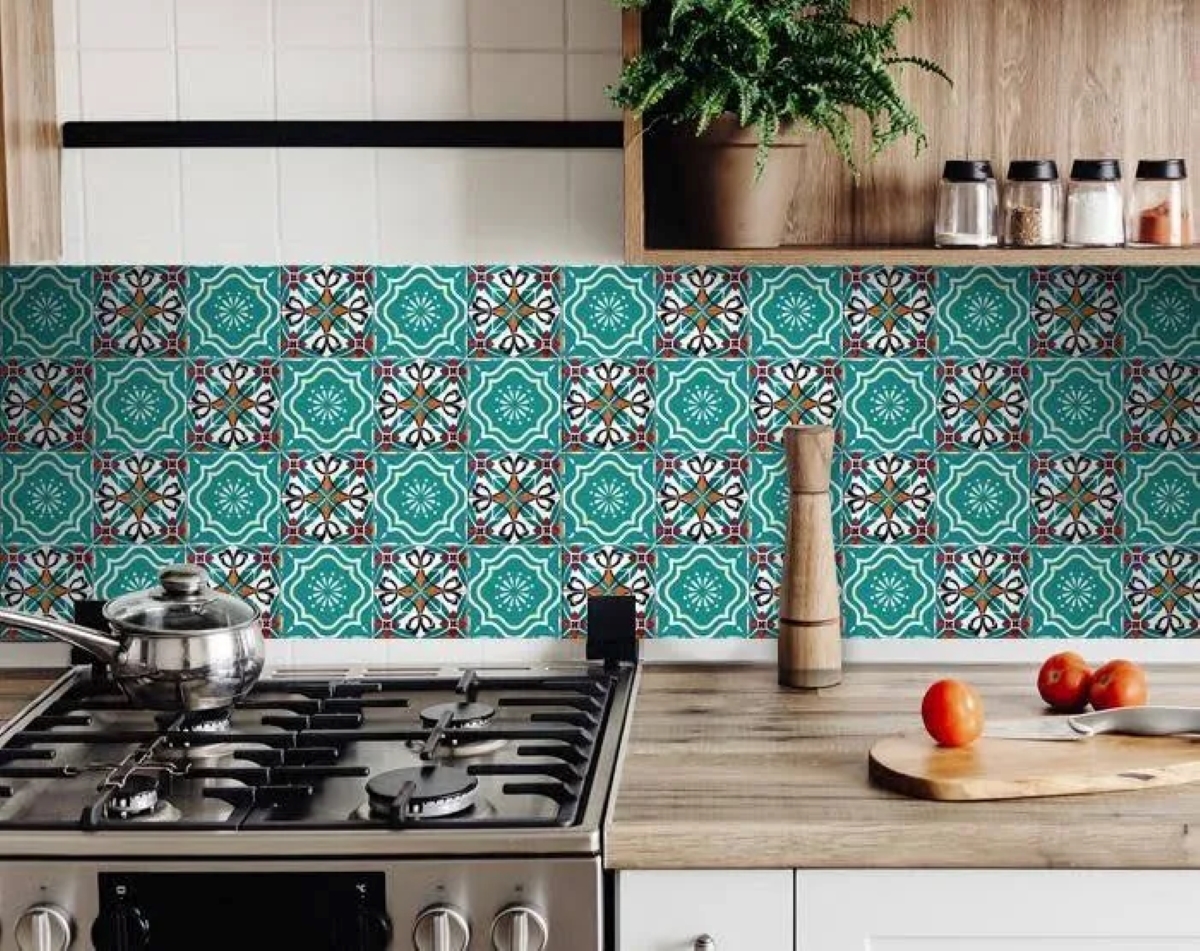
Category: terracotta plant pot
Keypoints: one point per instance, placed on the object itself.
(725, 206)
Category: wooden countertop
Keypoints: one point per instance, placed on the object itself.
(723, 769)
(20, 686)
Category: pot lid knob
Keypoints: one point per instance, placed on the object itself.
(183, 580)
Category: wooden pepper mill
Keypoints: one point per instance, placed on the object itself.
(810, 620)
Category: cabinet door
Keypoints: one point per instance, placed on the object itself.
(740, 911)
(945, 910)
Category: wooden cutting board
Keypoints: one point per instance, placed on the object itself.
(914, 765)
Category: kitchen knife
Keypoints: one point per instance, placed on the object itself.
(1130, 721)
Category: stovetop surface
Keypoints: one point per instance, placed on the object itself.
(495, 749)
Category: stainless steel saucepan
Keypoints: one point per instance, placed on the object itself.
(183, 646)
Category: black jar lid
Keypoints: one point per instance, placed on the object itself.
(967, 170)
(1171, 169)
(1096, 170)
(1033, 170)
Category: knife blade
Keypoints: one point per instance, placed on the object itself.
(1128, 721)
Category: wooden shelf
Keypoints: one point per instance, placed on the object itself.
(814, 255)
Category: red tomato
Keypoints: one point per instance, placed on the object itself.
(953, 713)
(1119, 683)
(1064, 682)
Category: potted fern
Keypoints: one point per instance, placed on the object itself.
(750, 81)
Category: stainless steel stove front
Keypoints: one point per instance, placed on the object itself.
(419, 904)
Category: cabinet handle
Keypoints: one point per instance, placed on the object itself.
(704, 943)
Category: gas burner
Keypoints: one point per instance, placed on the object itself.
(425, 792)
(206, 721)
(464, 715)
(137, 800)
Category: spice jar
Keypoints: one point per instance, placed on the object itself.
(966, 206)
(1033, 204)
(1160, 213)
(1095, 205)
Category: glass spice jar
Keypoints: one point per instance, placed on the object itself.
(1160, 212)
(1095, 204)
(967, 206)
(1033, 204)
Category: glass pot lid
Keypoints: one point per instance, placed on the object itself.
(184, 603)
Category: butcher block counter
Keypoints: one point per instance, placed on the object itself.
(19, 686)
(723, 769)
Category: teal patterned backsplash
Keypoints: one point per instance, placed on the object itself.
(470, 452)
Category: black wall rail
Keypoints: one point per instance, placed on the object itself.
(316, 135)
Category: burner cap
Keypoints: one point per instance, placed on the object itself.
(137, 796)
(437, 791)
(464, 715)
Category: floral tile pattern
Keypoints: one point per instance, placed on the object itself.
(445, 452)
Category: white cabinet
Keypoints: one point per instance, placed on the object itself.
(741, 911)
(947, 910)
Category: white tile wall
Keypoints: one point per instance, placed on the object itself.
(338, 59)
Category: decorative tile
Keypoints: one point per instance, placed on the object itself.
(701, 592)
(132, 567)
(1161, 313)
(889, 592)
(46, 312)
(327, 592)
(1162, 589)
(234, 405)
(889, 312)
(888, 498)
(608, 312)
(250, 573)
(1162, 405)
(983, 406)
(45, 498)
(140, 311)
(233, 498)
(1077, 312)
(234, 312)
(45, 580)
(327, 405)
(328, 311)
(420, 405)
(702, 403)
(983, 498)
(609, 498)
(767, 504)
(1076, 592)
(139, 405)
(327, 498)
(796, 313)
(791, 394)
(1162, 498)
(766, 573)
(420, 592)
(420, 312)
(608, 405)
(421, 499)
(140, 498)
(515, 498)
(1076, 498)
(702, 312)
(702, 499)
(605, 571)
(889, 405)
(46, 406)
(515, 311)
(514, 591)
(515, 405)
(984, 312)
(1076, 404)
(982, 592)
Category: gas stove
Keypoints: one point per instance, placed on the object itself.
(348, 808)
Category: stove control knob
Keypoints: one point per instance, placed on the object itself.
(44, 928)
(372, 931)
(520, 928)
(441, 928)
(122, 927)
